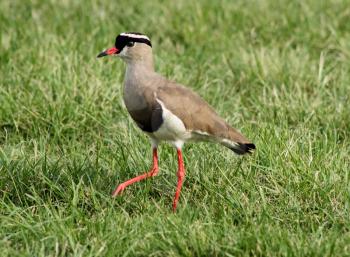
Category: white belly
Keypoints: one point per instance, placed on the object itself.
(172, 128)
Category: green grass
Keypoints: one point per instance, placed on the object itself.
(277, 70)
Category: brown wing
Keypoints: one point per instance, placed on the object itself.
(196, 114)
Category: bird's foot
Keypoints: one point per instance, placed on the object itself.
(119, 190)
(122, 186)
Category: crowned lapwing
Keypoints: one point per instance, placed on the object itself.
(165, 110)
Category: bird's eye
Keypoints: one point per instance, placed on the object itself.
(130, 44)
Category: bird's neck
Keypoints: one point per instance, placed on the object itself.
(137, 75)
(140, 66)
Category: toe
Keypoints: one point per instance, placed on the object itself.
(118, 191)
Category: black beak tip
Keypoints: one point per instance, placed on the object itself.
(102, 54)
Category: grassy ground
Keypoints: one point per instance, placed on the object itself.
(277, 70)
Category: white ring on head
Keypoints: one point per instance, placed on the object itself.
(134, 36)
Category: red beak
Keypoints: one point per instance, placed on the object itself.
(109, 51)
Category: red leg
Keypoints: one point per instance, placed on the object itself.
(151, 173)
(180, 177)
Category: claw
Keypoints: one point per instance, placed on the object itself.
(119, 190)
(154, 170)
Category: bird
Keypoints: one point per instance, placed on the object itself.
(167, 111)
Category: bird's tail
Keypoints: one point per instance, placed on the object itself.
(237, 142)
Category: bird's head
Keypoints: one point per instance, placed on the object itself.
(130, 46)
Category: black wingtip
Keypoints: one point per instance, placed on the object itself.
(243, 148)
(250, 147)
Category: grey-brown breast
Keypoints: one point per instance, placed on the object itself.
(146, 112)
(140, 101)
